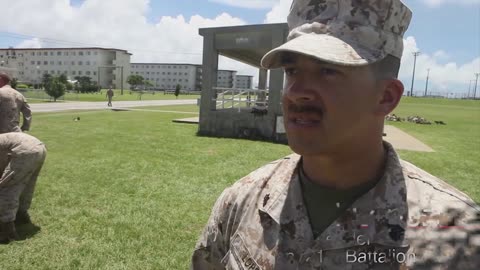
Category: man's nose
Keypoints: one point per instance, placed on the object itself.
(298, 90)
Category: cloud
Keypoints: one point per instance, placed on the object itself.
(56, 23)
(279, 12)
(253, 4)
(444, 77)
(436, 3)
(30, 43)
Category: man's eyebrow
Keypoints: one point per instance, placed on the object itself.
(287, 59)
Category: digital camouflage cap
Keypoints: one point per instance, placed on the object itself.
(344, 32)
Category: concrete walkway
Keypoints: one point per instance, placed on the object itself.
(398, 138)
(402, 140)
(66, 106)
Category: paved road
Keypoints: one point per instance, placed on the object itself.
(65, 106)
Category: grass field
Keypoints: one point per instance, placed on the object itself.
(132, 190)
(457, 144)
(36, 96)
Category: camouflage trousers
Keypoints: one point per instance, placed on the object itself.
(18, 180)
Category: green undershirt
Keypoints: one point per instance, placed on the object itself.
(324, 205)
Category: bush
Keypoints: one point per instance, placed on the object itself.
(55, 88)
(22, 86)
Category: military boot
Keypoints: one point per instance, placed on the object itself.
(22, 218)
(8, 232)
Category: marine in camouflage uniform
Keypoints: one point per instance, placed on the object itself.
(345, 200)
(12, 103)
(21, 159)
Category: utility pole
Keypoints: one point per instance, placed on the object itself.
(476, 82)
(121, 79)
(415, 54)
(426, 84)
(469, 87)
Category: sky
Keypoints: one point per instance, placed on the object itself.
(446, 32)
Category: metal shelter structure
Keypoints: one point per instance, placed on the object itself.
(242, 113)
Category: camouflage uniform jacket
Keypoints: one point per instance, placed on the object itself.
(15, 144)
(261, 223)
(11, 104)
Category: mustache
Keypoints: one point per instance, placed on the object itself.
(304, 109)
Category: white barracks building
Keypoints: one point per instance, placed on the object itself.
(110, 67)
(103, 65)
(166, 76)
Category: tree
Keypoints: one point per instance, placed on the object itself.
(63, 79)
(134, 81)
(13, 83)
(55, 88)
(46, 78)
(85, 85)
(177, 90)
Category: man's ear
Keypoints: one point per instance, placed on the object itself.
(390, 93)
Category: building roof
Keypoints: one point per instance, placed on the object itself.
(71, 48)
(188, 64)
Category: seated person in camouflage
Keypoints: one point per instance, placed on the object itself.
(12, 103)
(345, 200)
(21, 159)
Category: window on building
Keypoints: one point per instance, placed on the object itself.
(45, 53)
(73, 72)
(65, 53)
(80, 63)
(95, 73)
(79, 72)
(52, 63)
(59, 63)
(45, 62)
(87, 73)
(51, 53)
(39, 53)
(80, 53)
(59, 72)
(32, 53)
(32, 62)
(87, 63)
(59, 53)
(39, 63)
(73, 53)
(73, 63)
(88, 53)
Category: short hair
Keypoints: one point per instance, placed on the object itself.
(5, 76)
(387, 68)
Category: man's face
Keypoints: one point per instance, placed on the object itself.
(327, 107)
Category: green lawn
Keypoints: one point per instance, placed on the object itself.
(127, 190)
(133, 190)
(35, 96)
(457, 144)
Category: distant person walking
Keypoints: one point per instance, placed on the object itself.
(21, 159)
(12, 103)
(109, 96)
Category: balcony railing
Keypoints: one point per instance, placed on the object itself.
(236, 98)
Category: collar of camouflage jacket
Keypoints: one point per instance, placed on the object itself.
(377, 217)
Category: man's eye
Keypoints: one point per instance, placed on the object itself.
(290, 71)
(328, 71)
